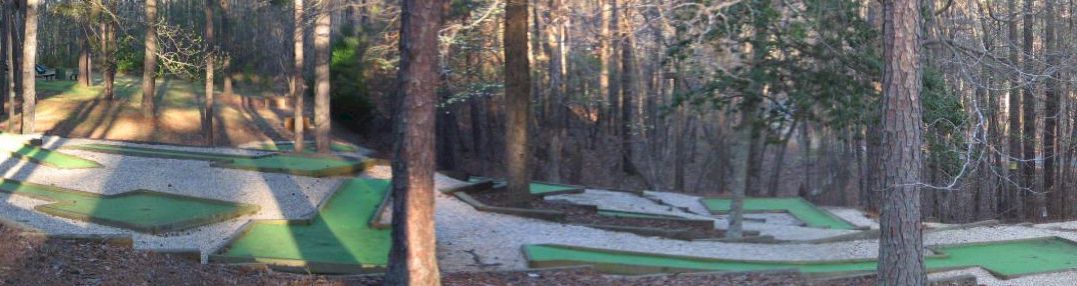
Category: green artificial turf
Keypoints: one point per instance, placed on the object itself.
(537, 188)
(18, 148)
(1005, 258)
(338, 234)
(298, 165)
(157, 153)
(141, 210)
(307, 146)
(803, 210)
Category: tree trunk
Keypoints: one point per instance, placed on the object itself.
(411, 258)
(322, 52)
(226, 36)
(85, 63)
(740, 145)
(149, 68)
(630, 91)
(1058, 203)
(555, 119)
(11, 55)
(517, 100)
(1033, 201)
(298, 85)
(29, 60)
(207, 122)
(5, 62)
(901, 252)
(1014, 205)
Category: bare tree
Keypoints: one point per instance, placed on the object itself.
(411, 259)
(149, 67)
(518, 99)
(322, 54)
(901, 253)
(207, 121)
(29, 61)
(297, 85)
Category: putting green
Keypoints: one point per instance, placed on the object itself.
(307, 146)
(537, 188)
(278, 163)
(1006, 259)
(140, 210)
(298, 165)
(18, 148)
(806, 212)
(156, 153)
(338, 235)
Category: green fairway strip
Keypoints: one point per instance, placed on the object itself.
(156, 153)
(298, 165)
(628, 214)
(806, 212)
(307, 146)
(18, 148)
(339, 234)
(278, 163)
(144, 211)
(1006, 259)
(537, 188)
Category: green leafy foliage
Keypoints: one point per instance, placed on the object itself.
(351, 103)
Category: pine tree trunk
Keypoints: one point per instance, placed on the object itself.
(29, 60)
(555, 119)
(298, 86)
(207, 122)
(149, 68)
(11, 54)
(5, 62)
(517, 99)
(1014, 205)
(411, 258)
(322, 24)
(1058, 204)
(901, 253)
(1033, 201)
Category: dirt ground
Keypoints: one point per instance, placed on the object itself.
(66, 109)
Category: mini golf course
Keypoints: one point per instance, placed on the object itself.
(337, 240)
(307, 146)
(139, 210)
(537, 188)
(311, 166)
(19, 149)
(1005, 259)
(799, 208)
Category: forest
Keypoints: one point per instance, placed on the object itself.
(538, 142)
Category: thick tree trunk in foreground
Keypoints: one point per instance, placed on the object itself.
(412, 259)
(741, 144)
(517, 99)
(901, 253)
(149, 67)
(29, 59)
(85, 63)
(322, 23)
(298, 85)
(207, 122)
(5, 62)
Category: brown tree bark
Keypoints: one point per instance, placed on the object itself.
(901, 253)
(411, 258)
(630, 91)
(149, 66)
(6, 89)
(555, 119)
(226, 37)
(322, 53)
(108, 49)
(29, 60)
(1013, 203)
(85, 62)
(1058, 206)
(11, 54)
(207, 121)
(298, 85)
(1034, 206)
(517, 99)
